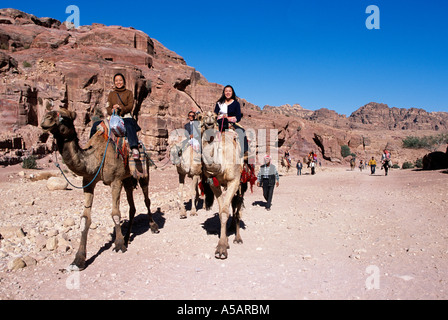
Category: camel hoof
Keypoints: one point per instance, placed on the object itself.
(193, 214)
(221, 252)
(120, 247)
(74, 268)
(154, 228)
(238, 241)
(77, 265)
(183, 216)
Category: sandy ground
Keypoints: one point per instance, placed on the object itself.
(339, 234)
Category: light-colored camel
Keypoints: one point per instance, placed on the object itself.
(285, 163)
(85, 163)
(222, 166)
(188, 163)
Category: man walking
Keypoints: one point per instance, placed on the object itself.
(268, 178)
(372, 164)
(299, 168)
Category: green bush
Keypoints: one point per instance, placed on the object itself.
(430, 143)
(407, 165)
(345, 151)
(396, 166)
(419, 163)
(26, 64)
(29, 163)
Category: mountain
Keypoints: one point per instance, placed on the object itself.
(380, 115)
(45, 65)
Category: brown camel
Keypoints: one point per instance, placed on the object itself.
(85, 163)
(222, 166)
(188, 163)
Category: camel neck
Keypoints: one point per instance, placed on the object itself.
(78, 159)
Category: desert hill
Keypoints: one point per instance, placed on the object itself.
(45, 65)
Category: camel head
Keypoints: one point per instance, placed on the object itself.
(208, 120)
(60, 123)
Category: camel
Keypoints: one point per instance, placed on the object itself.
(188, 163)
(85, 163)
(285, 163)
(352, 164)
(222, 167)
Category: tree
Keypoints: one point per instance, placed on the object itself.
(345, 151)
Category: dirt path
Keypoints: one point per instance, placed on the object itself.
(337, 235)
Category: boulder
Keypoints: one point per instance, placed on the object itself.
(10, 232)
(57, 183)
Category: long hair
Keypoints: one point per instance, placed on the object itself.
(223, 97)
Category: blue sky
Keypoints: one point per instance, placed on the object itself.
(319, 54)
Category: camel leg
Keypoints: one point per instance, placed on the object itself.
(194, 196)
(183, 213)
(144, 184)
(80, 259)
(129, 188)
(116, 215)
(237, 202)
(223, 243)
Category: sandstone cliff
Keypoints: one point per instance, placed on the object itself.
(44, 65)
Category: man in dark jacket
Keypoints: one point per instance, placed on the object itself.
(268, 178)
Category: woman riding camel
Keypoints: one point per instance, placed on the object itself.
(121, 101)
(229, 114)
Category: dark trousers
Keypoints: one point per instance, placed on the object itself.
(372, 169)
(131, 131)
(223, 124)
(268, 192)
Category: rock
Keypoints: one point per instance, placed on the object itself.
(69, 222)
(63, 245)
(51, 244)
(11, 232)
(29, 261)
(41, 241)
(56, 183)
(15, 264)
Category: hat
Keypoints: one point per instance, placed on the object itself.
(267, 157)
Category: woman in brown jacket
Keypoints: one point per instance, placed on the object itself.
(121, 100)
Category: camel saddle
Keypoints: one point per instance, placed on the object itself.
(138, 167)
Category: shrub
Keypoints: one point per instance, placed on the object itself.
(29, 163)
(407, 165)
(430, 143)
(26, 64)
(419, 163)
(345, 151)
(396, 166)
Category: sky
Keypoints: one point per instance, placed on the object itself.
(319, 54)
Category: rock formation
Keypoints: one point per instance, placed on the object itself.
(44, 65)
